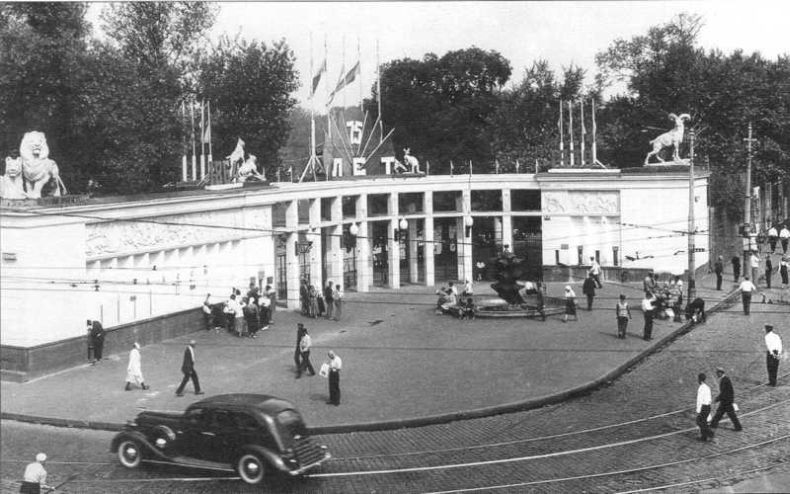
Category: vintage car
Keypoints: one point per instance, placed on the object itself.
(250, 434)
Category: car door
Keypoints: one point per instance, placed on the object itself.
(219, 443)
(196, 436)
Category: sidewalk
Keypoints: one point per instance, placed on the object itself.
(402, 364)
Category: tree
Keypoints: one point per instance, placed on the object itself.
(42, 46)
(440, 107)
(666, 72)
(249, 85)
(159, 40)
(525, 124)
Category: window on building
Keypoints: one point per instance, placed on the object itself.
(525, 200)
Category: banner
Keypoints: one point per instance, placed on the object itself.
(345, 81)
(317, 77)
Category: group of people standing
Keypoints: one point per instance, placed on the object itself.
(242, 315)
(330, 369)
(319, 303)
(726, 398)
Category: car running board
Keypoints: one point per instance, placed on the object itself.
(185, 461)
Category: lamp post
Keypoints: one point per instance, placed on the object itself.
(402, 226)
(469, 221)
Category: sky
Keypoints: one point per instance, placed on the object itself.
(563, 33)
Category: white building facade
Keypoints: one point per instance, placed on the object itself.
(126, 262)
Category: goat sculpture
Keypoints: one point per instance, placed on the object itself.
(671, 138)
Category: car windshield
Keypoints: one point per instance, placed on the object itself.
(290, 424)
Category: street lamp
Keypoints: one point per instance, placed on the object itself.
(353, 229)
(468, 222)
(402, 225)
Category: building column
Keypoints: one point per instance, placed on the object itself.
(291, 259)
(427, 246)
(507, 220)
(364, 273)
(393, 245)
(463, 244)
(334, 271)
(414, 275)
(314, 235)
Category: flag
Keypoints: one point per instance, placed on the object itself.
(317, 77)
(348, 79)
(207, 131)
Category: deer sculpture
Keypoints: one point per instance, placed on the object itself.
(671, 138)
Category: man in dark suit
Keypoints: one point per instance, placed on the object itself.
(188, 369)
(725, 399)
(96, 337)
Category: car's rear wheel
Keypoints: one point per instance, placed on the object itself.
(130, 454)
(251, 468)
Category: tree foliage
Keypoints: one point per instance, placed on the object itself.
(440, 106)
(249, 85)
(666, 72)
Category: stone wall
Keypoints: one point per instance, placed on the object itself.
(22, 364)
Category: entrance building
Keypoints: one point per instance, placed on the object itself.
(128, 263)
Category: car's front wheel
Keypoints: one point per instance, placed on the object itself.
(130, 454)
(251, 468)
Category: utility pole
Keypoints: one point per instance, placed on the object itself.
(747, 210)
(692, 289)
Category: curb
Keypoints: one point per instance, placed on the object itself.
(518, 406)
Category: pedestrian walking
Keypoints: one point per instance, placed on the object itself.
(335, 365)
(304, 353)
(329, 299)
(747, 288)
(718, 268)
(726, 401)
(134, 371)
(773, 353)
(736, 268)
(623, 312)
(769, 267)
(783, 269)
(272, 294)
(588, 289)
(95, 340)
(648, 310)
(188, 369)
(773, 236)
(703, 408)
(208, 319)
(754, 263)
(784, 237)
(337, 295)
(298, 351)
(595, 272)
(649, 284)
(570, 304)
(35, 477)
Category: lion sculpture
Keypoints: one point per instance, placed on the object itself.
(249, 169)
(37, 168)
(11, 186)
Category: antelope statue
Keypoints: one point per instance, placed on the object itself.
(671, 138)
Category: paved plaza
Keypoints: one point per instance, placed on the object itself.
(403, 364)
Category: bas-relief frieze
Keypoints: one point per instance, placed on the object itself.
(581, 203)
(164, 232)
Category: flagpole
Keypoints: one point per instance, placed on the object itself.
(570, 132)
(312, 111)
(343, 73)
(194, 144)
(562, 137)
(184, 142)
(328, 103)
(594, 145)
(202, 138)
(359, 61)
(210, 137)
(378, 91)
(584, 131)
